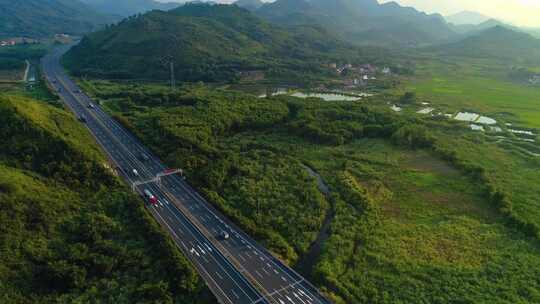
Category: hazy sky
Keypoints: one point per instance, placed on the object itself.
(518, 12)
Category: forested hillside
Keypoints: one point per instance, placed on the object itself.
(205, 42)
(40, 18)
(499, 43)
(364, 22)
(70, 232)
(124, 8)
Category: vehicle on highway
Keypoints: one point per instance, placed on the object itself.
(135, 172)
(82, 118)
(150, 197)
(91, 106)
(224, 235)
(54, 81)
(144, 157)
(59, 90)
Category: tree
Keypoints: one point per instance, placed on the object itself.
(408, 98)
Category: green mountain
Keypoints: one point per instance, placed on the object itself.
(362, 21)
(39, 18)
(70, 230)
(126, 8)
(251, 5)
(497, 43)
(205, 42)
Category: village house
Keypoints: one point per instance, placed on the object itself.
(251, 75)
(7, 42)
(534, 80)
(17, 40)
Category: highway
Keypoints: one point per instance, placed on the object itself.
(236, 269)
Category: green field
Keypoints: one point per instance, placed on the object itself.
(477, 85)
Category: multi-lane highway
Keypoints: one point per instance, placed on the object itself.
(235, 268)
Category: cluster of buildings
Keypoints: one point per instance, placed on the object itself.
(359, 75)
(62, 38)
(364, 69)
(535, 80)
(7, 43)
(16, 41)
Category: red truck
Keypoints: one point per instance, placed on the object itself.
(150, 197)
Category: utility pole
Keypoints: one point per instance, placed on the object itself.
(168, 60)
(173, 85)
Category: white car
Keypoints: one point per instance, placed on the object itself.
(225, 235)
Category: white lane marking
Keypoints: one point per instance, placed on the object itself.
(296, 296)
(199, 199)
(302, 292)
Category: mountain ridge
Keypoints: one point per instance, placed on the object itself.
(362, 22)
(124, 8)
(499, 42)
(211, 43)
(251, 5)
(41, 18)
(467, 17)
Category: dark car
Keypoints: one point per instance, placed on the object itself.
(82, 118)
(144, 157)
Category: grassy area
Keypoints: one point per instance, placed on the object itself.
(437, 238)
(414, 219)
(478, 85)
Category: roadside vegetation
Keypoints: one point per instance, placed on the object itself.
(13, 61)
(70, 230)
(419, 211)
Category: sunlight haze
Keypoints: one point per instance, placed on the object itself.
(519, 12)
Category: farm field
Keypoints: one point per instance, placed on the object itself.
(11, 76)
(482, 86)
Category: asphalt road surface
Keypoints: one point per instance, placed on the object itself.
(236, 269)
